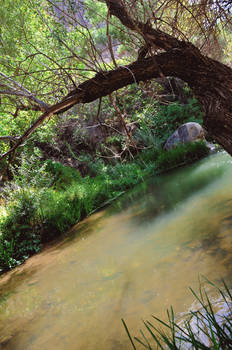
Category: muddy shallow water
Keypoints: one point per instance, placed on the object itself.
(134, 259)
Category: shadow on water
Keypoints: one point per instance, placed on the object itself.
(81, 231)
(161, 194)
(16, 277)
(13, 279)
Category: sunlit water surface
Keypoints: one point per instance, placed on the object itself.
(134, 259)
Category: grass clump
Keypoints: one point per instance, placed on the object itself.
(19, 238)
(203, 329)
(182, 154)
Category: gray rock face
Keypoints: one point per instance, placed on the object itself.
(188, 132)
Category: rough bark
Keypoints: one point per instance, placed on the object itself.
(210, 80)
(151, 36)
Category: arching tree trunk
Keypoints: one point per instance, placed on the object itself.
(211, 82)
(215, 95)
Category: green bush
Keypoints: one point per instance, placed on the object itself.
(157, 122)
(170, 117)
(62, 176)
(32, 171)
(19, 238)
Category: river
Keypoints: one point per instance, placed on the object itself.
(137, 257)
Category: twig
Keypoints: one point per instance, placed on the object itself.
(44, 106)
(50, 111)
(9, 138)
(109, 40)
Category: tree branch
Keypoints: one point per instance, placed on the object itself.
(9, 138)
(24, 93)
(157, 37)
(187, 64)
(101, 85)
(104, 83)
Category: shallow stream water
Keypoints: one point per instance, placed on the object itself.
(135, 258)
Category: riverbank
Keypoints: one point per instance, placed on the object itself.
(44, 203)
(136, 257)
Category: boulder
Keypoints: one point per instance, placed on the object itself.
(188, 132)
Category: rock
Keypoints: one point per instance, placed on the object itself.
(203, 323)
(188, 132)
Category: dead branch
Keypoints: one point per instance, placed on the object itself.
(109, 40)
(9, 138)
(26, 93)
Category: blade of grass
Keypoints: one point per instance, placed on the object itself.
(154, 336)
(146, 340)
(128, 333)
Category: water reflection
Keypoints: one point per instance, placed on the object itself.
(128, 261)
(164, 193)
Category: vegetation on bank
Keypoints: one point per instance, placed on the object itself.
(207, 328)
(45, 201)
(63, 173)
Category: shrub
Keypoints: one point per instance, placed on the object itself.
(62, 176)
(32, 171)
(19, 238)
(170, 117)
